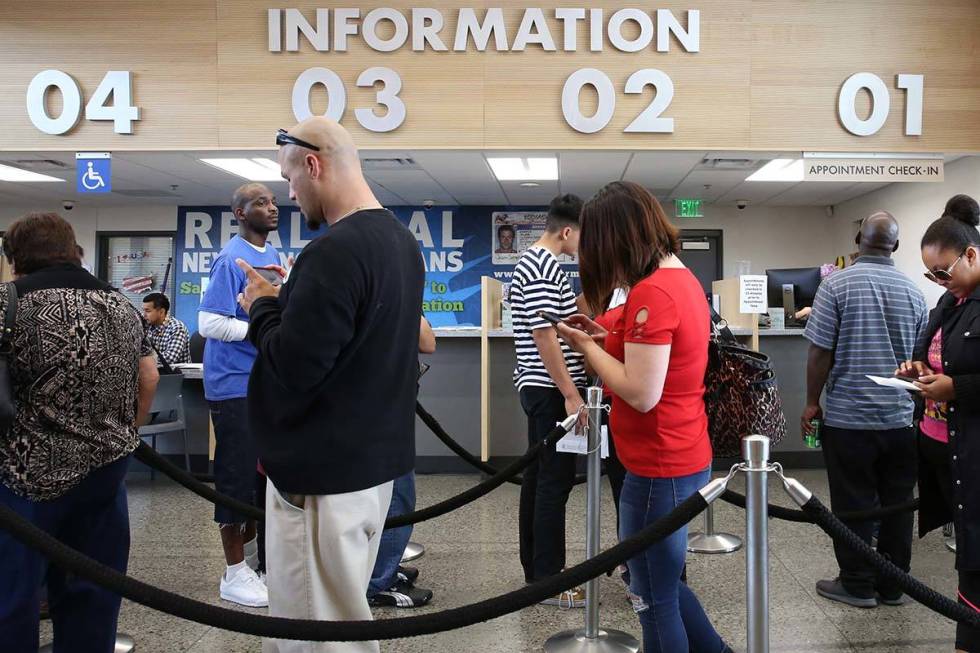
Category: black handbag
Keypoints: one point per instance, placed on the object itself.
(741, 395)
(8, 408)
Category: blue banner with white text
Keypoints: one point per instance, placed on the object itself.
(459, 244)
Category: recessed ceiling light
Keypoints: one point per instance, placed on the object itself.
(529, 184)
(9, 173)
(519, 169)
(779, 170)
(257, 169)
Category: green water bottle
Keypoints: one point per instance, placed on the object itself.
(812, 440)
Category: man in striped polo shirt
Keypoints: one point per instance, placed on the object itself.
(866, 320)
(550, 378)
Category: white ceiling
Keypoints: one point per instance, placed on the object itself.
(445, 177)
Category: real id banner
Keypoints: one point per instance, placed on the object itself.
(459, 245)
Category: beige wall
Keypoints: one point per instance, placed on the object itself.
(87, 221)
(766, 77)
(915, 206)
(768, 237)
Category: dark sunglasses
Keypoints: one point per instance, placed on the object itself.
(283, 138)
(942, 276)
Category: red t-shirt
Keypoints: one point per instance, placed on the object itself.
(672, 439)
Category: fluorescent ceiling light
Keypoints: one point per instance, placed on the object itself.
(9, 173)
(258, 169)
(914, 156)
(518, 169)
(779, 170)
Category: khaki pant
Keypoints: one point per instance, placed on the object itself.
(320, 552)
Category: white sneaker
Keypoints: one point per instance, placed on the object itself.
(245, 588)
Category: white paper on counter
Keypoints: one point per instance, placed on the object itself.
(893, 383)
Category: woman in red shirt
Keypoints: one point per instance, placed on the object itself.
(653, 361)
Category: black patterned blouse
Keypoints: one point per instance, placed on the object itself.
(76, 352)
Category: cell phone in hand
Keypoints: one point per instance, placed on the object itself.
(270, 274)
(550, 317)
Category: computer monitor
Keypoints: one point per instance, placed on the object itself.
(793, 289)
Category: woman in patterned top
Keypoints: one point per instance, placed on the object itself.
(83, 378)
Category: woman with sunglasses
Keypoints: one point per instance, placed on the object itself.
(653, 361)
(947, 369)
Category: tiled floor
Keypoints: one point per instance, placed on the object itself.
(471, 554)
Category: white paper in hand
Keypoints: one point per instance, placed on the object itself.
(577, 442)
(573, 442)
(894, 383)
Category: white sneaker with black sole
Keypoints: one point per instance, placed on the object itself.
(401, 595)
(245, 588)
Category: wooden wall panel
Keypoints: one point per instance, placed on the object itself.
(802, 52)
(766, 78)
(169, 47)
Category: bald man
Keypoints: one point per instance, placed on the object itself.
(866, 320)
(332, 394)
(228, 359)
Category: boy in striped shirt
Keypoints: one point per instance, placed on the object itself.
(550, 378)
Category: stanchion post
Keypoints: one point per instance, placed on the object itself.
(709, 541)
(755, 452)
(593, 505)
(413, 551)
(949, 537)
(124, 644)
(592, 638)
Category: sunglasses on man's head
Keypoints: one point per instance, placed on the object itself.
(283, 138)
(942, 276)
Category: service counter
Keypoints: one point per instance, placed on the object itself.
(451, 392)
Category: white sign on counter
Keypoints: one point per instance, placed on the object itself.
(752, 293)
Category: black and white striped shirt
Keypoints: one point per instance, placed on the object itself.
(539, 284)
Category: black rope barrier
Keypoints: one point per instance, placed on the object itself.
(835, 528)
(789, 514)
(480, 490)
(458, 449)
(777, 512)
(137, 591)
(148, 456)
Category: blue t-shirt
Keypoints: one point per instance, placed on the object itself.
(228, 364)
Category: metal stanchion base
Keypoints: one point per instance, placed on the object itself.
(608, 641)
(124, 644)
(713, 543)
(413, 551)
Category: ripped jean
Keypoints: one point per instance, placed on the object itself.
(670, 614)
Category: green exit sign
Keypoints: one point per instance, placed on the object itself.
(688, 208)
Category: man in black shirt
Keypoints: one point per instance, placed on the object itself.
(332, 394)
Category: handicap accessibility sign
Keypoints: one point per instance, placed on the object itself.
(93, 172)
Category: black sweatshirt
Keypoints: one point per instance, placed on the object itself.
(331, 398)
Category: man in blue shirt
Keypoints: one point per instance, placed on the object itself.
(228, 358)
(866, 320)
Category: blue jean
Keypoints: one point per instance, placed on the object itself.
(393, 540)
(93, 518)
(669, 612)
